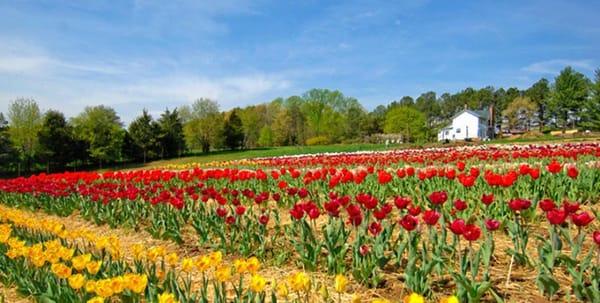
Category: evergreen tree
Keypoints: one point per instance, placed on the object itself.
(56, 140)
(145, 132)
(591, 108)
(171, 138)
(570, 92)
(233, 131)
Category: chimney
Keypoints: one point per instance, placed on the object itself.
(491, 126)
(465, 106)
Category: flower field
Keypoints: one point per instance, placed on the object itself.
(494, 224)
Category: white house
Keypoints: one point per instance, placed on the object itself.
(468, 124)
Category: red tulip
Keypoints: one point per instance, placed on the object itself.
(438, 197)
(487, 199)
(596, 237)
(457, 226)
(414, 210)
(534, 173)
(581, 219)
(570, 208)
(364, 250)
(314, 213)
(240, 210)
(554, 167)
(460, 205)
(547, 205)
(230, 220)
(431, 217)
(409, 222)
(263, 219)
(556, 216)
(492, 224)
(519, 204)
(402, 202)
(221, 211)
(572, 172)
(472, 232)
(375, 228)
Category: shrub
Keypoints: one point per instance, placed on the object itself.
(318, 140)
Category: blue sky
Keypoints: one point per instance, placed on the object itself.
(156, 54)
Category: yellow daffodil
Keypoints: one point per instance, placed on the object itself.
(253, 265)
(257, 283)
(167, 298)
(223, 274)
(240, 265)
(187, 265)
(172, 259)
(117, 285)
(356, 298)
(414, 298)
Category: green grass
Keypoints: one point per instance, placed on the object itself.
(262, 152)
(296, 150)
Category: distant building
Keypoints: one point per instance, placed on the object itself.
(468, 124)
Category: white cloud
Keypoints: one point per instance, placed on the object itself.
(556, 65)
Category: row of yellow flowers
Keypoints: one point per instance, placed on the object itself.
(297, 286)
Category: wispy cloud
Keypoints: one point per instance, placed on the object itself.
(556, 65)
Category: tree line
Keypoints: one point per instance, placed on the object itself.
(31, 140)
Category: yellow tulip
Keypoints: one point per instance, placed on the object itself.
(356, 298)
(379, 300)
(167, 298)
(300, 282)
(103, 288)
(117, 285)
(66, 254)
(93, 267)
(79, 262)
(450, 299)
(76, 281)
(340, 283)
(282, 290)
(414, 298)
(216, 258)
(61, 270)
(136, 283)
(257, 283)
(138, 251)
(90, 286)
(96, 300)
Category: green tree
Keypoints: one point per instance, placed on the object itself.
(101, 129)
(428, 105)
(171, 138)
(56, 140)
(233, 130)
(144, 132)
(7, 152)
(570, 91)
(591, 108)
(204, 125)
(539, 93)
(266, 136)
(25, 123)
(407, 121)
(520, 112)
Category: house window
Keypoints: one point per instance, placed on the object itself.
(447, 132)
(458, 130)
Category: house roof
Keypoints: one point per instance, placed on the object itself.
(483, 114)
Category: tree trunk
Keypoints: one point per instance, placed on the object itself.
(144, 156)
